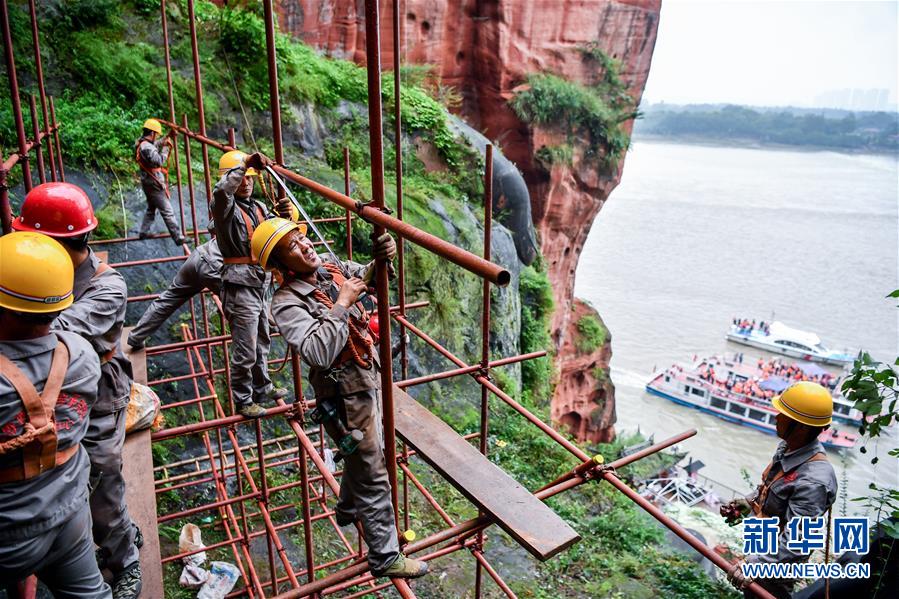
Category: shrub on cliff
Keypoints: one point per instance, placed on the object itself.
(595, 111)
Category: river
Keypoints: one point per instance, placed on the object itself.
(695, 235)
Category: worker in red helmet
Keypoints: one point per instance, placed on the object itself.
(151, 152)
(64, 211)
(48, 382)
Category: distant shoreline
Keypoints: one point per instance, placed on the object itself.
(751, 144)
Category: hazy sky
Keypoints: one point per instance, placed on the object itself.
(772, 52)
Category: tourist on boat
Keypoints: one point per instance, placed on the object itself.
(799, 481)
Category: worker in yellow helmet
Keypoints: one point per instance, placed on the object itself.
(151, 152)
(236, 216)
(798, 482)
(318, 312)
(45, 521)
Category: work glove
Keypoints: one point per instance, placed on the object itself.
(257, 161)
(385, 247)
(282, 207)
(736, 578)
(734, 511)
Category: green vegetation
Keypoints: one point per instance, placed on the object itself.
(843, 130)
(113, 79)
(588, 113)
(592, 334)
(873, 387)
(536, 310)
(562, 154)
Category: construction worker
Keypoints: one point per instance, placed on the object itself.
(63, 211)
(318, 313)
(48, 383)
(236, 216)
(202, 270)
(151, 152)
(799, 481)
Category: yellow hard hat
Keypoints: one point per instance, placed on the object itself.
(806, 402)
(36, 273)
(153, 125)
(268, 234)
(231, 159)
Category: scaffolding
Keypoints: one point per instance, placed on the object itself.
(246, 472)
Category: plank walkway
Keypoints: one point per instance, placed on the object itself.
(139, 487)
(527, 519)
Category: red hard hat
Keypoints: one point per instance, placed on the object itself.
(57, 210)
(374, 326)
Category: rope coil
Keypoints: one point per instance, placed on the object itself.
(358, 342)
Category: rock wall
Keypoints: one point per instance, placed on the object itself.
(486, 48)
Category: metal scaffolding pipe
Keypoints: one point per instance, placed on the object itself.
(18, 122)
(36, 128)
(42, 93)
(375, 137)
(54, 126)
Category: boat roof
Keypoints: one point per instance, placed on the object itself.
(782, 331)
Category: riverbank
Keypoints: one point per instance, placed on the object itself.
(752, 144)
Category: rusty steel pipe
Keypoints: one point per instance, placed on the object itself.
(55, 127)
(467, 370)
(18, 122)
(346, 191)
(207, 425)
(582, 469)
(201, 113)
(375, 139)
(304, 474)
(36, 128)
(168, 79)
(42, 92)
(190, 181)
(274, 95)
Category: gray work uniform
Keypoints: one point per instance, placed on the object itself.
(809, 490)
(202, 270)
(243, 288)
(154, 155)
(98, 315)
(45, 521)
(319, 335)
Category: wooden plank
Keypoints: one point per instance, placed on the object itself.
(139, 488)
(527, 519)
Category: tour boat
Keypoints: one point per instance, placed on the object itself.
(683, 385)
(781, 339)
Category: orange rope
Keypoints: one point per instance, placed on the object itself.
(358, 342)
(29, 434)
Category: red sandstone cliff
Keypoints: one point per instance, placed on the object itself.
(486, 48)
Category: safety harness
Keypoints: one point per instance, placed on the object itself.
(359, 345)
(152, 170)
(759, 504)
(38, 440)
(250, 228)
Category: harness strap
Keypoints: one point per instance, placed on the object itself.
(765, 487)
(248, 222)
(39, 446)
(152, 170)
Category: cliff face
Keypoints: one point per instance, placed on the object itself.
(486, 48)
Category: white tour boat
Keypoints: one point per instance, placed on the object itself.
(781, 339)
(684, 385)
